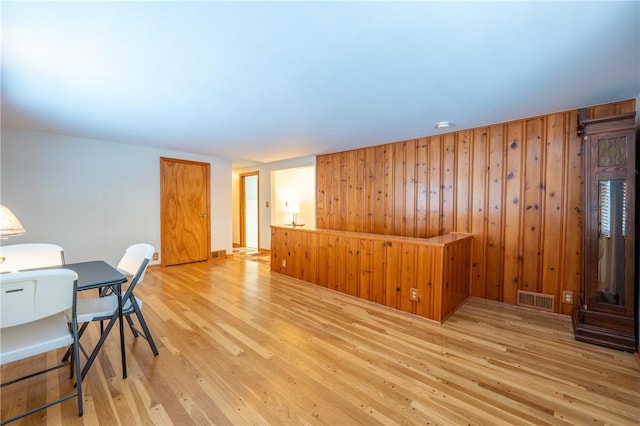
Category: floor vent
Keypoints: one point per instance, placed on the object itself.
(540, 301)
(217, 254)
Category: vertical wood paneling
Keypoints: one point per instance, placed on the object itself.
(533, 179)
(366, 270)
(310, 265)
(399, 171)
(334, 202)
(295, 262)
(422, 188)
(342, 269)
(424, 280)
(278, 240)
(321, 191)
(388, 190)
(360, 193)
(323, 203)
(322, 260)
(409, 213)
(462, 183)
(381, 269)
(392, 272)
(353, 267)
(378, 274)
(370, 189)
(338, 204)
(572, 254)
(435, 167)
(456, 267)
(332, 263)
(516, 186)
(478, 212)
(615, 108)
(512, 217)
(494, 213)
(626, 106)
(437, 282)
(554, 184)
(379, 189)
(347, 195)
(407, 278)
(448, 172)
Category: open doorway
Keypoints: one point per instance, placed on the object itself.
(293, 196)
(249, 224)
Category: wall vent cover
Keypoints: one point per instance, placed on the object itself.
(217, 254)
(541, 301)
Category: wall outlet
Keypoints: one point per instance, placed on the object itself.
(413, 295)
(155, 256)
(284, 263)
(567, 296)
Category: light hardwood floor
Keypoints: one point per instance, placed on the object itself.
(241, 345)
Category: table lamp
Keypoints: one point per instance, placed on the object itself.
(294, 209)
(10, 226)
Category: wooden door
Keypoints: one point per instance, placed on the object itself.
(184, 211)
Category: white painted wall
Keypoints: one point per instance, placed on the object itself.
(265, 195)
(95, 198)
(294, 186)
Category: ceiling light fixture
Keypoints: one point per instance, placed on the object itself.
(443, 125)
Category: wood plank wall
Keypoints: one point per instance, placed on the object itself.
(379, 268)
(516, 186)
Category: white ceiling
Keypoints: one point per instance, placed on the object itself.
(265, 81)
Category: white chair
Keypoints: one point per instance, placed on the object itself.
(18, 257)
(32, 322)
(133, 264)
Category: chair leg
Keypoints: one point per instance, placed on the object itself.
(76, 362)
(99, 343)
(78, 386)
(72, 363)
(145, 329)
(133, 328)
(80, 333)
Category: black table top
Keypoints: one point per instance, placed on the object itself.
(94, 274)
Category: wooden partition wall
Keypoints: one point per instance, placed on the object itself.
(515, 186)
(381, 268)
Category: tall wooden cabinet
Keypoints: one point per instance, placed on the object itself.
(606, 311)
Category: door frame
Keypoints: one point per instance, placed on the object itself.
(163, 224)
(243, 236)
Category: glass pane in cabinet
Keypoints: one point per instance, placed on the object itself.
(612, 215)
(612, 151)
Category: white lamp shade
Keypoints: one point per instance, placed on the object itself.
(294, 208)
(9, 224)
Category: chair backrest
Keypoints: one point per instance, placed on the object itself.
(19, 257)
(31, 295)
(135, 261)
